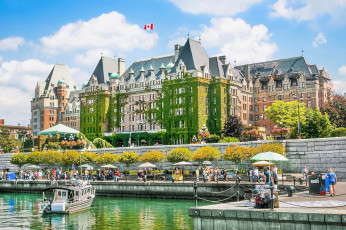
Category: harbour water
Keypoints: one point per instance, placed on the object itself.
(20, 211)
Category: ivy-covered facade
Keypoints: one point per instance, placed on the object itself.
(163, 99)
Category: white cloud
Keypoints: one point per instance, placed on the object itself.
(238, 40)
(340, 85)
(11, 43)
(107, 31)
(211, 7)
(319, 40)
(303, 10)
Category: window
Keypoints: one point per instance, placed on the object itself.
(264, 99)
(214, 90)
(214, 101)
(264, 107)
(309, 104)
(190, 89)
(309, 95)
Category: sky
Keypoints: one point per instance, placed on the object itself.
(36, 34)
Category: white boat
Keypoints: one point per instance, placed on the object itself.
(75, 196)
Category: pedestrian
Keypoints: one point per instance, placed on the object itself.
(332, 181)
(267, 176)
(40, 175)
(250, 174)
(54, 174)
(224, 173)
(21, 174)
(197, 174)
(256, 175)
(116, 175)
(304, 172)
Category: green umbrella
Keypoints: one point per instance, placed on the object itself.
(268, 156)
(86, 166)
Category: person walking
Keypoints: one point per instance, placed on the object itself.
(256, 175)
(332, 181)
(197, 174)
(267, 176)
(250, 174)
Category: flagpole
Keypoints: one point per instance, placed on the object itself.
(154, 40)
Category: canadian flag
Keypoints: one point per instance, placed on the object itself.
(149, 27)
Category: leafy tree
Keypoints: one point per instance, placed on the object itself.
(237, 154)
(228, 139)
(336, 109)
(207, 153)
(153, 157)
(89, 157)
(316, 125)
(233, 127)
(69, 157)
(106, 158)
(287, 113)
(179, 154)
(19, 159)
(35, 158)
(8, 142)
(269, 147)
(51, 157)
(213, 139)
(128, 158)
(100, 143)
(338, 132)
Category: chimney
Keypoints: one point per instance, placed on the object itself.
(176, 52)
(247, 71)
(121, 66)
(222, 59)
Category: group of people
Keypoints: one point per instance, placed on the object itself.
(267, 175)
(212, 174)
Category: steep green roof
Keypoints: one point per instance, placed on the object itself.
(59, 129)
(169, 65)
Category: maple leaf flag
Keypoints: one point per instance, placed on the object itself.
(149, 27)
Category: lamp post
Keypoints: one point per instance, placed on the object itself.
(71, 138)
(298, 86)
(204, 129)
(281, 129)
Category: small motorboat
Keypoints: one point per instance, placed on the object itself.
(75, 196)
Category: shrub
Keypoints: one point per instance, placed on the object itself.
(53, 146)
(19, 159)
(100, 143)
(106, 158)
(237, 154)
(206, 153)
(35, 158)
(228, 139)
(338, 132)
(153, 157)
(89, 157)
(213, 139)
(270, 147)
(69, 157)
(51, 157)
(186, 172)
(128, 158)
(179, 154)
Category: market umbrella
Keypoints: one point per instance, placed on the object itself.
(147, 165)
(206, 163)
(33, 167)
(183, 163)
(262, 163)
(268, 156)
(108, 166)
(86, 166)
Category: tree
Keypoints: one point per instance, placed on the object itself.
(51, 157)
(237, 154)
(153, 157)
(336, 109)
(179, 154)
(35, 158)
(287, 113)
(70, 157)
(269, 147)
(19, 159)
(206, 153)
(89, 157)
(100, 143)
(8, 142)
(107, 158)
(233, 127)
(338, 132)
(128, 158)
(316, 125)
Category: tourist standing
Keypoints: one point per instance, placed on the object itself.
(21, 174)
(197, 174)
(256, 175)
(54, 174)
(116, 175)
(267, 176)
(40, 175)
(86, 174)
(332, 181)
(250, 174)
(304, 172)
(1, 174)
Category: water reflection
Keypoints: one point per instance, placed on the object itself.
(20, 211)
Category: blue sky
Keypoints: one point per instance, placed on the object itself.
(37, 34)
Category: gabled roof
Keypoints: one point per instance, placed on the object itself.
(193, 55)
(104, 68)
(215, 67)
(59, 72)
(278, 67)
(155, 63)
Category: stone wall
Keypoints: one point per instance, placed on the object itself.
(317, 154)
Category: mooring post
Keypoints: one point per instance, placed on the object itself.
(282, 177)
(237, 182)
(195, 186)
(294, 181)
(271, 195)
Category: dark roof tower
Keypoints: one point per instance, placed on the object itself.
(105, 67)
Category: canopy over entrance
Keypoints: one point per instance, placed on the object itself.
(59, 129)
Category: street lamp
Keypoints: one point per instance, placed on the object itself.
(71, 138)
(204, 129)
(298, 86)
(281, 129)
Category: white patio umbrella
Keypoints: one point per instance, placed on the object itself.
(147, 165)
(206, 163)
(86, 166)
(183, 163)
(108, 166)
(33, 167)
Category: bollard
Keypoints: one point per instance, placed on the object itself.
(282, 177)
(237, 183)
(290, 189)
(195, 186)
(294, 180)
